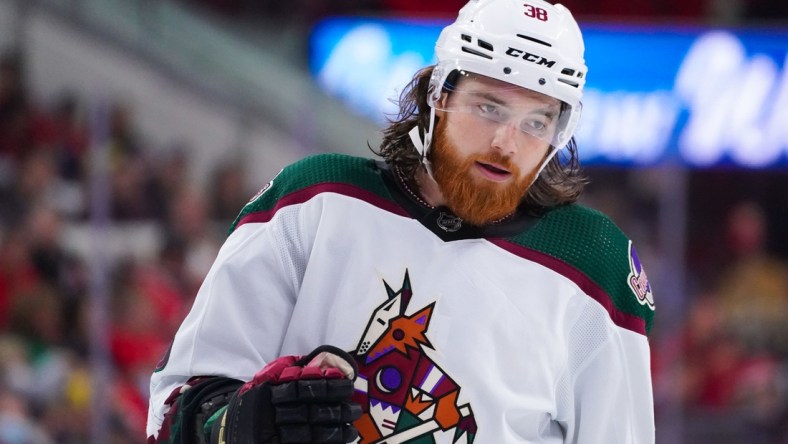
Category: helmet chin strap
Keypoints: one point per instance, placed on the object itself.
(423, 147)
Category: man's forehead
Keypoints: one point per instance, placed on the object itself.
(478, 84)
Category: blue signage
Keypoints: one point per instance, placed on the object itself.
(696, 96)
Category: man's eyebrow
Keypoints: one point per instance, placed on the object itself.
(548, 111)
(492, 98)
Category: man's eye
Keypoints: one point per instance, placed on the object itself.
(537, 125)
(487, 108)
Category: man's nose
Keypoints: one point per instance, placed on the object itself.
(505, 138)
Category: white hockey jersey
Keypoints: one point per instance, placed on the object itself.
(532, 330)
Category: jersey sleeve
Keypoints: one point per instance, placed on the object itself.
(606, 392)
(242, 310)
(240, 313)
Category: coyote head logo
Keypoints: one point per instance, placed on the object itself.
(391, 329)
(406, 397)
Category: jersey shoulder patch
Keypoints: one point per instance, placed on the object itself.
(590, 243)
(317, 174)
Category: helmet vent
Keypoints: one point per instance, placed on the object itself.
(569, 82)
(535, 40)
(475, 52)
(568, 71)
(485, 45)
(466, 37)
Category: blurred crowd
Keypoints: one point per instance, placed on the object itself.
(47, 282)
(725, 368)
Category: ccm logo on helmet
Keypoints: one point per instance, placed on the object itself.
(539, 60)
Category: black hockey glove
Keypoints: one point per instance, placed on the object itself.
(294, 400)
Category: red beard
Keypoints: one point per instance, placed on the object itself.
(475, 200)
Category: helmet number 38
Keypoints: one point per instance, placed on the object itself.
(535, 12)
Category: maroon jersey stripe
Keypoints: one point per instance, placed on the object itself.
(304, 194)
(620, 318)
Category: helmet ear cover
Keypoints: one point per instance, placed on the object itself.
(451, 80)
(435, 92)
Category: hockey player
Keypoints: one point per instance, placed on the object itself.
(463, 294)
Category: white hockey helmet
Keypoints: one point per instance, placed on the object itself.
(526, 43)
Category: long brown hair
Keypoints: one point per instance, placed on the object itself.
(561, 182)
